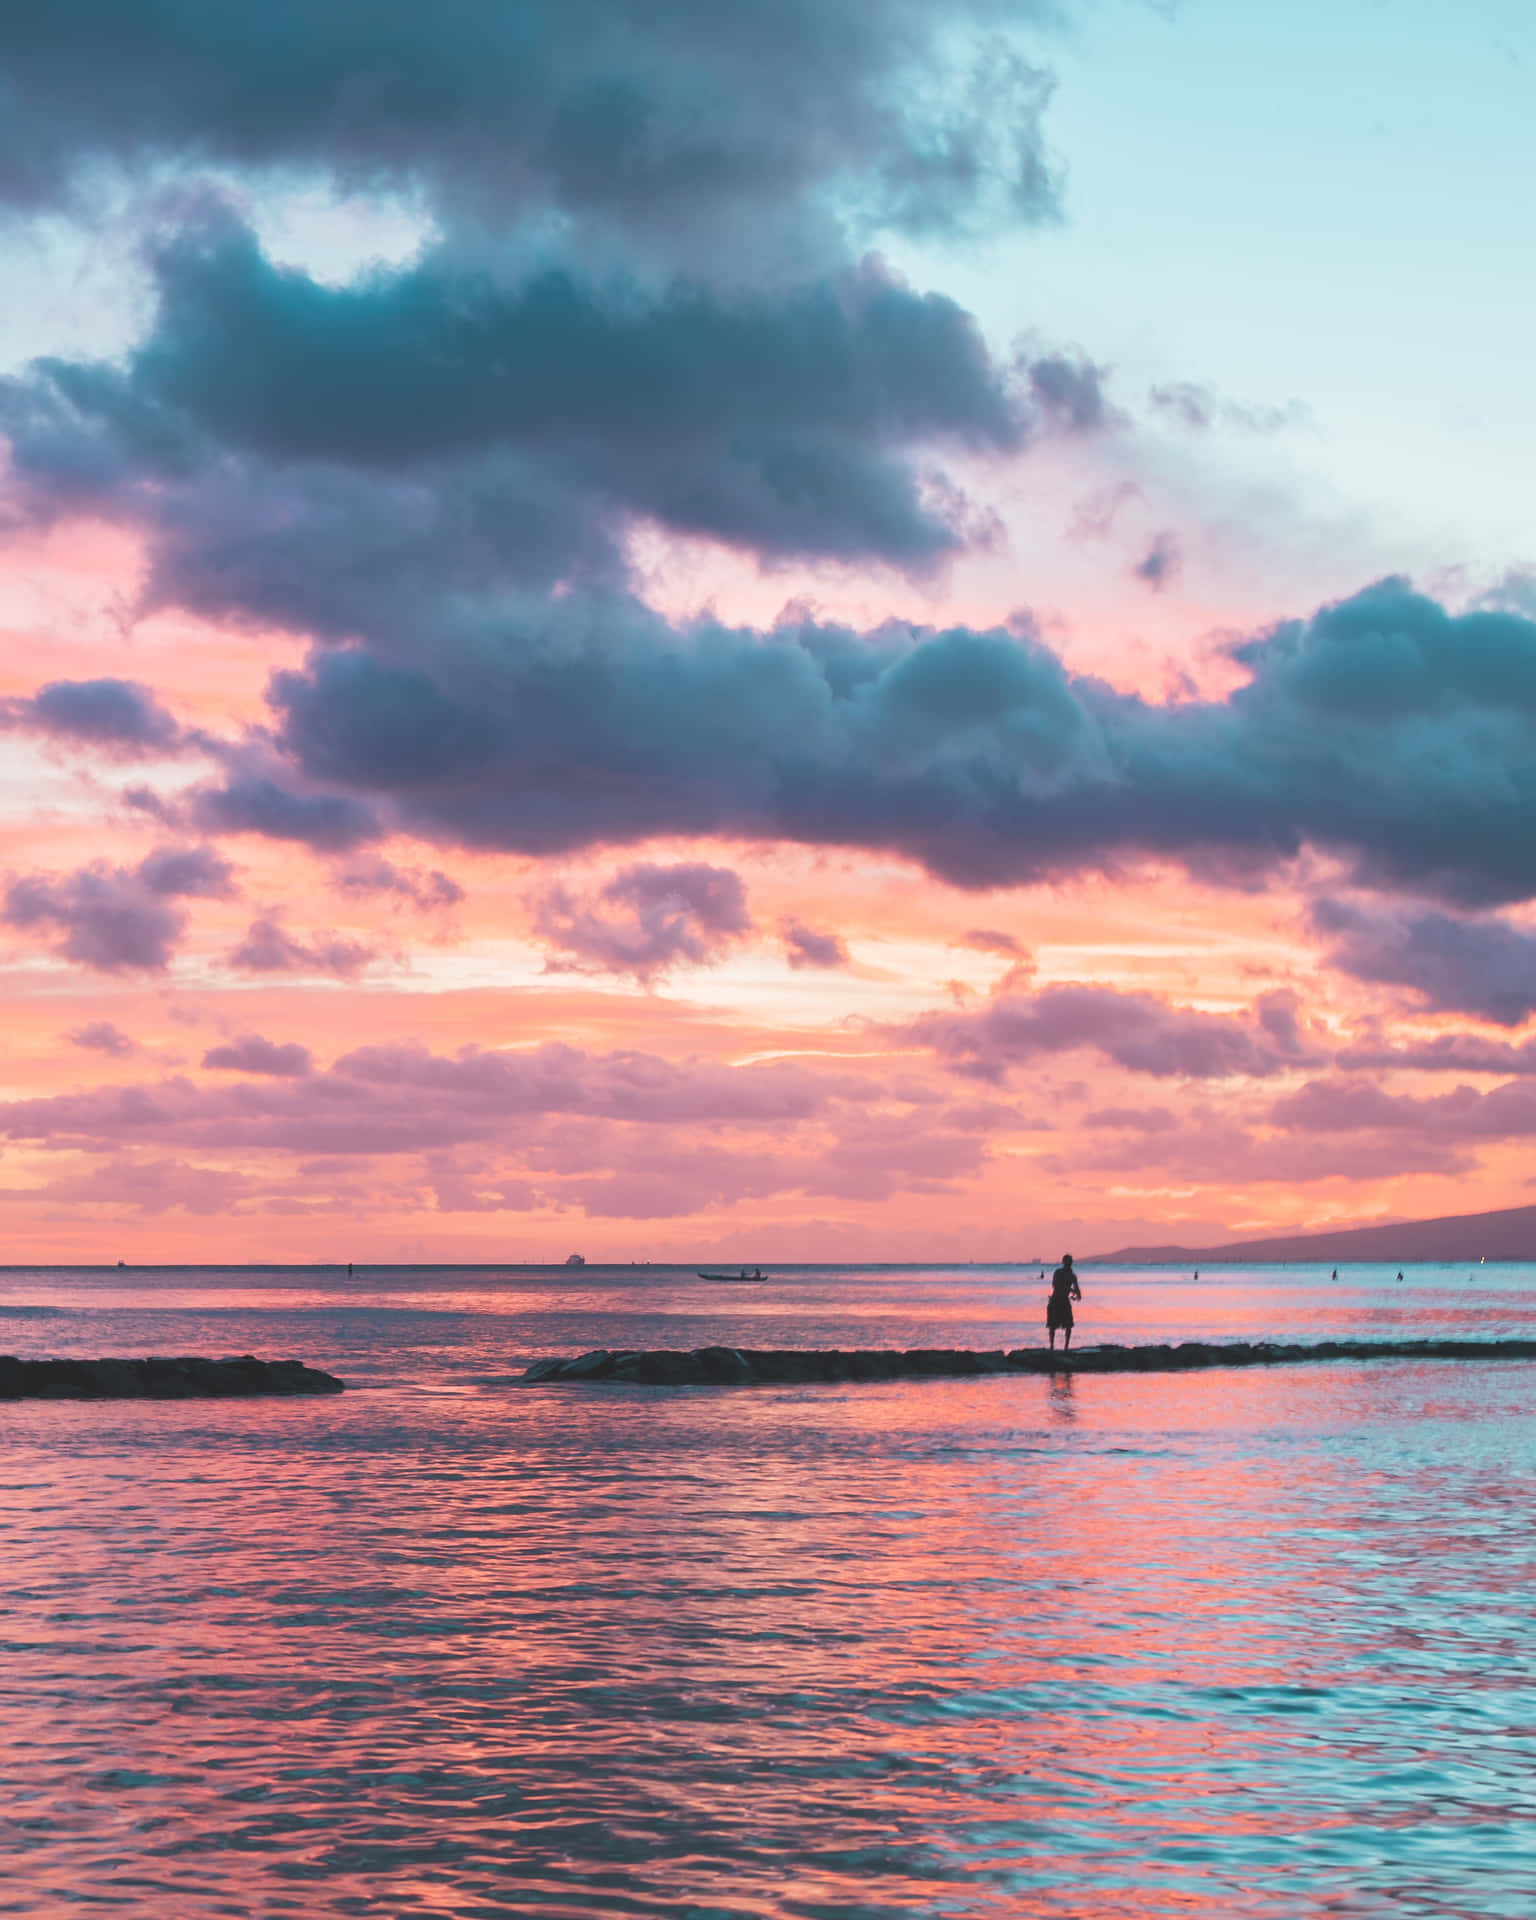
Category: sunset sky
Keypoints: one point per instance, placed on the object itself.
(851, 629)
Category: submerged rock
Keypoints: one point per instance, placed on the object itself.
(745, 1366)
(184, 1378)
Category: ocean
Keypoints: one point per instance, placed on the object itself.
(1116, 1647)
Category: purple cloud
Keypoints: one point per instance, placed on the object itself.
(119, 717)
(645, 921)
(101, 1036)
(433, 891)
(1136, 1030)
(268, 947)
(252, 1054)
(804, 947)
(118, 919)
(1485, 966)
(991, 940)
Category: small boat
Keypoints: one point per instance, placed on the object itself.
(756, 1274)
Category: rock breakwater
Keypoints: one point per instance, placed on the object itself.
(184, 1378)
(747, 1367)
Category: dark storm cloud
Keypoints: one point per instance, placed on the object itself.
(1384, 730)
(434, 361)
(644, 921)
(119, 717)
(1137, 1031)
(805, 947)
(1483, 966)
(252, 1054)
(118, 919)
(659, 118)
(781, 421)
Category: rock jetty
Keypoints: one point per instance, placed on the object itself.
(158, 1379)
(749, 1367)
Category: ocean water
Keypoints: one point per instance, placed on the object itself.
(1255, 1643)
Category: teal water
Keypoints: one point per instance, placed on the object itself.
(1248, 1643)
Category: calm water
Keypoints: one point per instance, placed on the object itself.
(1247, 1644)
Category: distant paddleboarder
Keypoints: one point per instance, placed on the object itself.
(1058, 1312)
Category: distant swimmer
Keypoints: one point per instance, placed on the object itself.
(1058, 1312)
(1197, 1273)
(349, 1269)
(1335, 1273)
(1399, 1273)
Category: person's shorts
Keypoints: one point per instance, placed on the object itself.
(1058, 1317)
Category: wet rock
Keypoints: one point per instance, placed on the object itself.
(159, 1378)
(738, 1366)
(723, 1366)
(589, 1366)
(551, 1369)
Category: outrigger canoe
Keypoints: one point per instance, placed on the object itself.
(736, 1277)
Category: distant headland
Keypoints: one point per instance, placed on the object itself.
(1507, 1234)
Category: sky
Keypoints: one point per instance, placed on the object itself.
(820, 629)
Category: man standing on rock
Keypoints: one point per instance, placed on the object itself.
(1058, 1313)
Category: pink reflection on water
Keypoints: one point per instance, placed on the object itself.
(1199, 1645)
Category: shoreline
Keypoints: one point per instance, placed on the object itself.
(746, 1367)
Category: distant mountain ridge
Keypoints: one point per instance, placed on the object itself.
(1507, 1234)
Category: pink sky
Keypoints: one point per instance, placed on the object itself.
(723, 723)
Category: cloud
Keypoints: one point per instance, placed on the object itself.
(991, 940)
(252, 1054)
(1162, 562)
(152, 1187)
(806, 948)
(1070, 390)
(268, 947)
(1200, 408)
(1209, 1152)
(1344, 1104)
(101, 1036)
(1135, 1030)
(1384, 730)
(118, 919)
(1133, 1119)
(665, 122)
(119, 717)
(645, 921)
(325, 822)
(403, 1099)
(1443, 1053)
(779, 420)
(198, 873)
(1484, 966)
(433, 891)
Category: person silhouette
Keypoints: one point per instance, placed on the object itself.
(1058, 1312)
